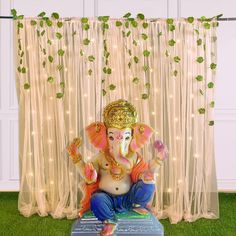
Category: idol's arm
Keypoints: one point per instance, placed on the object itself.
(88, 171)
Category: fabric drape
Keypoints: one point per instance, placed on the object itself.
(162, 86)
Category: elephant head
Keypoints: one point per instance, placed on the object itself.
(120, 134)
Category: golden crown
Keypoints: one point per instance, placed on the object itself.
(120, 114)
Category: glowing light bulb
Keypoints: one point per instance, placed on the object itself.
(151, 70)
(180, 181)
(153, 113)
(71, 132)
(171, 96)
(28, 47)
(174, 159)
(169, 190)
(192, 96)
(50, 159)
(114, 46)
(50, 141)
(192, 115)
(70, 89)
(92, 40)
(67, 112)
(31, 174)
(177, 138)
(51, 182)
(33, 133)
(156, 90)
(176, 119)
(71, 173)
(190, 138)
(196, 155)
(49, 117)
(51, 97)
(65, 69)
(30, 153)
(85, 95)
(41, 191)
(136, 99)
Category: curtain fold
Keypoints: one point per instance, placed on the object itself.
(167, 73)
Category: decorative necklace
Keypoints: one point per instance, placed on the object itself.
(117, 171)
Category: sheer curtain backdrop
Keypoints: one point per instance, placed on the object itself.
(167, 73)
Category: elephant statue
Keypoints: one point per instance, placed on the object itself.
(117, 179)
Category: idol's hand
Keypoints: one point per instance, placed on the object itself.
(147, 177)
(90, 173)
(73, 150)
(162, 151)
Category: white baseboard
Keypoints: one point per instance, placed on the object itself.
(10, 186)
(224, 185)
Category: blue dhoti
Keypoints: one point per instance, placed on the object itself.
(104, 205)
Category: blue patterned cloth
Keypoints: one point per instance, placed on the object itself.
(104, 205)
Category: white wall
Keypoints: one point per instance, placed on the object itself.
(225, 112)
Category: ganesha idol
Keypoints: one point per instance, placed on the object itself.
(117, 179)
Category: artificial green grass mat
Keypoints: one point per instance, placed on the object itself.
(12, 223)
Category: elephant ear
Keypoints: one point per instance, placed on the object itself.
(96, 133)
(141, 134)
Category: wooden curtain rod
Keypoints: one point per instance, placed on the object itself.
(220, 19)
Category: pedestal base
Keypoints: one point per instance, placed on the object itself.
(127, 225)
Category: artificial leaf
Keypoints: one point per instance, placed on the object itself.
(135, 80)
(26, 86)
(213, 66)
(118, 23)
(212, 104)
(146, 53)
(50, 79)
(127, 15)
(144, 36)
(59, 24)
(201, 110)
(177, 59)
(50, 58)
(199, 42)
(170, 21)
(112, 87)
(55, 15)
(171, 42)
(58, 35)
(200, 59)
(136, 60)
(104, 92)
(145, 25)
(211, 123)
(84, 20)
(199, 78)
(210, 85)
(62, 84)
(190, 19)
(60, 52)
(145, 96)
(60, 95)
(91, 58)
(140, 16)
(42, 14)
(86, 41)
(33, 22)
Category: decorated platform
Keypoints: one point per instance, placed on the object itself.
(129, 223)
